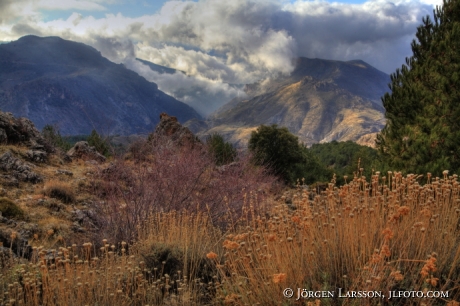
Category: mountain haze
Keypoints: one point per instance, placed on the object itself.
(55, 81)
(321, 101)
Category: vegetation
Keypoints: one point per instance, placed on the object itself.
(101, 145)
(379, 235)
(184, 232)
(53, 136)
(59, 190)
(223, 152)
(277, 148)
(348, 158)
(9, 209)
(422, 133)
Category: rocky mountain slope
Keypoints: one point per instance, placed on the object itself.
(54, 81)
(321, 101)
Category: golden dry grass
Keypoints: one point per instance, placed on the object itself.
(392, 233)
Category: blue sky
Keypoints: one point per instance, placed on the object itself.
(222, 42)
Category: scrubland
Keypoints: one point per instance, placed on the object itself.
(171, 228)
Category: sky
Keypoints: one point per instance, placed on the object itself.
(222, 44)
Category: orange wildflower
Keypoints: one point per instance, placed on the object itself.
(279, 278)
(430, 266)
(296, 219)
(403, 210)
(387, 233)
(211, 255)
(231, 245)
(397, 275)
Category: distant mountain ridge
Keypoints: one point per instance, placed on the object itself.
(158, 68)
(55, 81)
(320, 101)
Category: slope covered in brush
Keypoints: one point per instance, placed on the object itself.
(54, 81)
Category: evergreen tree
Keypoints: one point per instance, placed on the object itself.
(54, 138)
(222, 151)
(98, 143)
(278, 149)
(422, 133)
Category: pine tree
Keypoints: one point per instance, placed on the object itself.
(98, 143)
(279, 150)
(422, 133)
(223, 152)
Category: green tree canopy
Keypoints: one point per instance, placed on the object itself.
(98, 143)
(278, 149)
(222, 151)
(53, 137)
(422, 133)
(347, 158)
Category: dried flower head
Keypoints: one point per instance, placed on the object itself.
(279, 278)
(211, 255)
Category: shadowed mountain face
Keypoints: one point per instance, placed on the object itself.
(53, 81)
(320, 101)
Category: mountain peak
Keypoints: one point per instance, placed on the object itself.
(322, 100)
(56, 81)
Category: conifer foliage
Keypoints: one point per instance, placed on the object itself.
(422, 133)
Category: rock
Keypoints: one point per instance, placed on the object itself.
(18, 169)
(3, 136)
(37, 156)
(170, 131)
(77, 228)
(19, 131)
(18, 243)
(9, 181)
(83, 150)
(6, 256)
(78, 216)
(27, 230)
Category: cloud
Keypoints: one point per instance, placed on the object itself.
(70, 5)
(218, 43)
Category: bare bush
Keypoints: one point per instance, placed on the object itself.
(164, 178)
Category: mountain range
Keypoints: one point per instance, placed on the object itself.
(320, 101)
(72, 86)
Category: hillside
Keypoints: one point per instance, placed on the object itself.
(55, 81)
(321, 101)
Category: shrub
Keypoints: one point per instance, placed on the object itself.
(278, 149)
(170, 178)
(59, 190)
(53, 137)
(9, 209)
(96, 141)
(223, 152)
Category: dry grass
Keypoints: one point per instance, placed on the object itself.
(392, 233)
(166, 266)
(59, 190)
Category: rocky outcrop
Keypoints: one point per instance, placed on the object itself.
(82, 150)
(17, 170)
(170, 131)
(15, 235)
(368, 140)
(37, 156)
(19, 131)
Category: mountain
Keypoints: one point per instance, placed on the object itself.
(55, 81)
(158, 68)
(321, 101)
